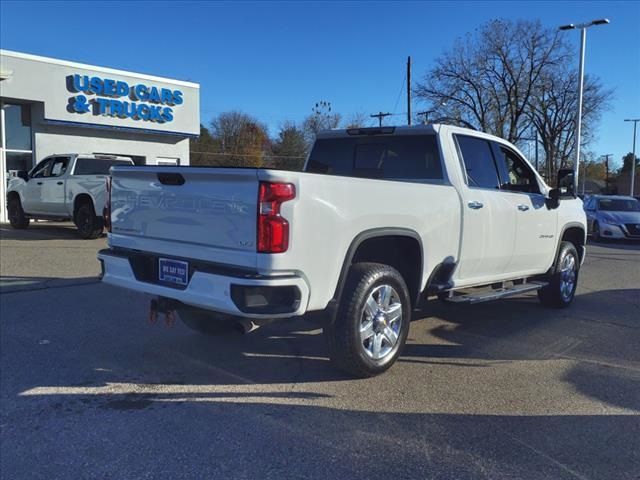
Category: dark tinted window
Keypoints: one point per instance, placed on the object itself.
(400, 157)
(96, 166)
(515, 174)
(618, 205)
(478, 162)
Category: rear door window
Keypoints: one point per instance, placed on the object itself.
(398, 157)
(96, 166)
(478, 161)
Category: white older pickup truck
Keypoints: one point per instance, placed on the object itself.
(63, 187)
(379, 220)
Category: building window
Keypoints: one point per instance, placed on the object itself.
(18, 160)
(18, 127)
(16, 137)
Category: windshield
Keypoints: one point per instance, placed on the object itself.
(618, 205)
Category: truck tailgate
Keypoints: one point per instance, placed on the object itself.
(173, 210)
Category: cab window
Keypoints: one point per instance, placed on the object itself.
(42, 169)
(59, 166)
(515, 174)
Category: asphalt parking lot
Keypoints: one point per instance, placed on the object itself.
(501, 390)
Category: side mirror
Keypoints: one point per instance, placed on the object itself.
(23, 174)
(566, 182)
(553, 200)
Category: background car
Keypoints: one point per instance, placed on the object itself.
(613, 216)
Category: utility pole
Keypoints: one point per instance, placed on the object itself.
(583, 40)
(380, 116)
(606, 171)
(408, 90)
(633, 155)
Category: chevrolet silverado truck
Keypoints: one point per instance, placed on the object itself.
(379, 220)
(63, 187)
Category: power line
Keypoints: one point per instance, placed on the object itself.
(400, 92)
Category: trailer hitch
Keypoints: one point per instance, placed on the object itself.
(164, 306)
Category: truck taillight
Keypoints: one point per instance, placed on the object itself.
(106, 213)
(273, 229)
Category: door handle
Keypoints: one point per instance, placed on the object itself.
(523, 208)
(58, 183)
(475, 205)
(39, 183)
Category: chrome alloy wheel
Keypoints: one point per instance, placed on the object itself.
(568, 275)
(380, 322)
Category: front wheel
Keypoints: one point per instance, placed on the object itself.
(17, 218)
(89, 225)
(563, 280)
(372, 321)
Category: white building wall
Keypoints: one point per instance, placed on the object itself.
(56, 128)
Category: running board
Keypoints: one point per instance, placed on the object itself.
(496, 294)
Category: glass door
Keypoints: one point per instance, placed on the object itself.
(16, 152)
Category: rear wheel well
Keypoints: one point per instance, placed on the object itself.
(403, 253)
(80, 200)
(575, 235)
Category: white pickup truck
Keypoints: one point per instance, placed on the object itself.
(379, 220)
(63, 187)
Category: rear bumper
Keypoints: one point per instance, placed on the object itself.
(217, 289)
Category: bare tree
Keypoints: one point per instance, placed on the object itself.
(289, 150)
(509, 77)
(321, 118)
(243, 140)
(358, 120)
(553, 113)
(487, 80)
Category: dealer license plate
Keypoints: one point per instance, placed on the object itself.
(173, 271)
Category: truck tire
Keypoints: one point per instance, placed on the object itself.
(563, 280)
(372, 320)
(89, 225)
(207, 322)
(17, 218)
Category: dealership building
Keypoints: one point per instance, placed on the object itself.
(51, 106)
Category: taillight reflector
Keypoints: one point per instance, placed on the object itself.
(273, 229)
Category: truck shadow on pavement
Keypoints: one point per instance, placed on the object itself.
(601, 329)
(107, 396)
(86, 380)
(39, 231)
(14, 284)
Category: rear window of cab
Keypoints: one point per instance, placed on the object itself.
(97, 166)
(397, 157)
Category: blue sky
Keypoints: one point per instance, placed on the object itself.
(274, 60)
